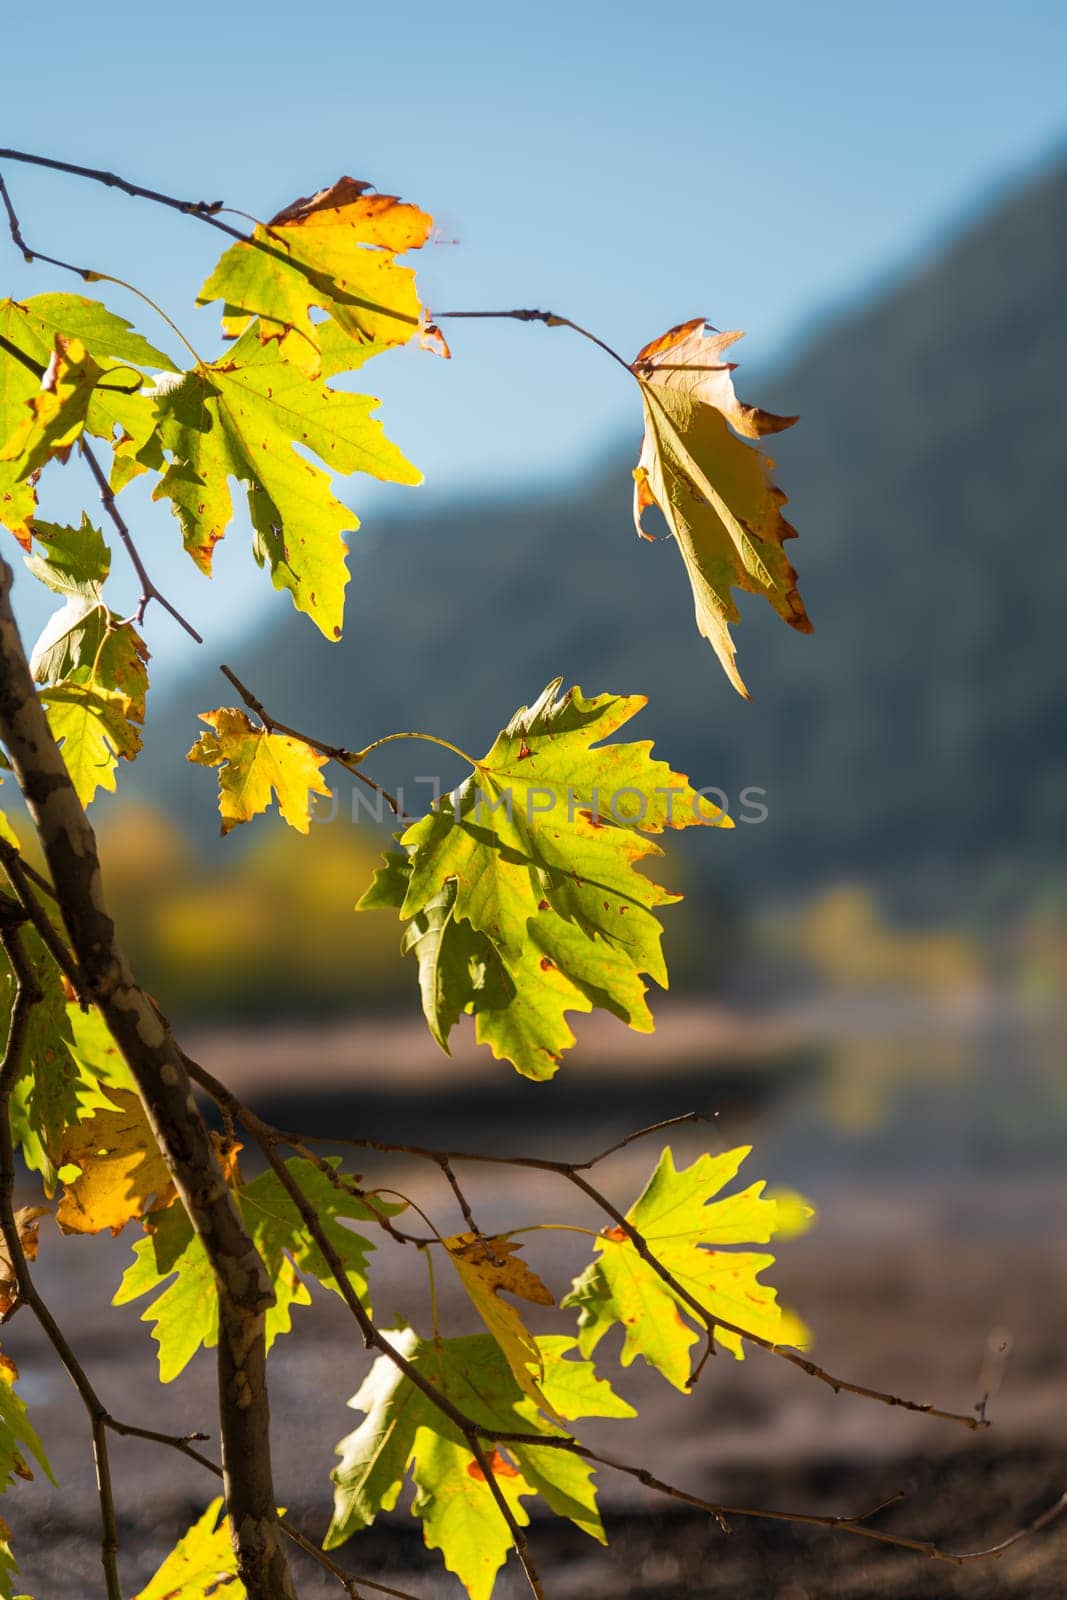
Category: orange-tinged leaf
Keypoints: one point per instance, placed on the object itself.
(255, 765)
(123, 1174)
(336, 251)
(713, 489)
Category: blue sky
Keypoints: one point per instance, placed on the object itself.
(628, 165)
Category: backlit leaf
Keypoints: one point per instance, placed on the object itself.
(335, 251)
(202, 1565)
(403, 1431)
(123, 1174)
(32, 327)
(255, 766)
(693, 1234)
(57, 411)
(521, 897)
(488, 1268)
(242, 417)
(186, 1313)
(714, 490)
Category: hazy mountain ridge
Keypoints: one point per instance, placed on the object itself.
(916, 738)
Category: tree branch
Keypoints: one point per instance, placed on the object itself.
(573, 1171)
(344, 758)
(27, 995)
(203, 210)
(148, 1047)
(149, 591)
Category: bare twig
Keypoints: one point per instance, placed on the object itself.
(518, 1537)
(526, 314)
(203, 210)
(344, 758)
(18, 875)
(573, 1172)
(149, 591)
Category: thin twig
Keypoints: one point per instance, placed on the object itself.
(267, 1138)
(203, 210)
(149, 591)
(518, 1537)
(344, 758)
(573, 1172)
(19, 878)
(526, 314)
(461, 1198)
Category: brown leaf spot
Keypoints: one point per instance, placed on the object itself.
(615, 1232)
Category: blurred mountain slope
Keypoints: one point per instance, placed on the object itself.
(916, 740)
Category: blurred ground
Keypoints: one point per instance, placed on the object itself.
(930, 1135)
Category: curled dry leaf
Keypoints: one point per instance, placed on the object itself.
(713, 489)
(26, 1222)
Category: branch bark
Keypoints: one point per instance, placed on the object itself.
(155, 1061)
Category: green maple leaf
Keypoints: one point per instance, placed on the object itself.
(242, 417)
(186, 1313)
(45, 1100)
(335, 251)
(94, 731)
(68, 1061)
(94, 664)
(403, 1430)
(18, 1440)
(692, 1233)
(18, 1437)
(202, 1565)
(521, 893)
(33, 326)
(254, 765)
(713, 489)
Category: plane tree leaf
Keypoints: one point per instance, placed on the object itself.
(185, 1314)
(45, 1099)
(520, 891)
(202, 1565)
(404, 1432)
(333, 251)
(487, 1268)
(242, 417)
(94, 663)
(122, 1173)
(113, 413)
(58, 409)
(18, 1437)
(713, 488)
(693, 1230)
(255, 766)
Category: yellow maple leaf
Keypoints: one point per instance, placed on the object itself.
(335, 250)
(713, 489)
(57, 412)
(488, 1267)
(255, 765)
(123, 1174)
